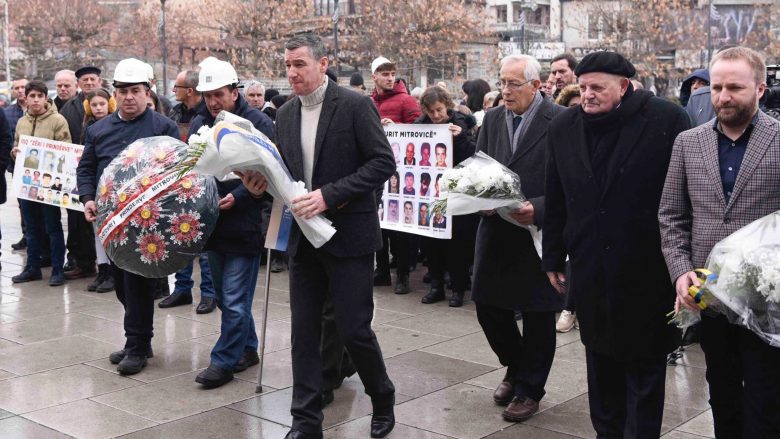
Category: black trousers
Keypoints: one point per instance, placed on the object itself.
(402, 246)
(315, 274)
(743, 373)
(528, 356)
(81, 239)
(448, 256)
(335, 357)
(626, 397)
(137, 296)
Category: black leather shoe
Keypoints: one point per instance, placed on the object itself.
(277, 265)
(402, 284)
(436, 294)
(131, 364)
(295, 434)
(247, 360)
(456, 301)
(176, 299)
(117, 356)
(27, 276)
(20, 245)
(382, 422)
(206, 305)
(214, 377)
(327, 397)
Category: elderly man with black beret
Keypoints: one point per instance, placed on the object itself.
(606, 169)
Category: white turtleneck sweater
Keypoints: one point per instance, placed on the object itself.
(311, 106)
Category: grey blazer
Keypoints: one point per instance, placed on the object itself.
(693, 214)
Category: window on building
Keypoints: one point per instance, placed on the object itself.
(501, 14)
(328, 7)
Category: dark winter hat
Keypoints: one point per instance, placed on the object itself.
(356, 79)
(87, 70)
(605, 62)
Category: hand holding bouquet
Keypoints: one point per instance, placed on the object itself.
(744, 284)
(233, 144)
(481, 183)
(153, 219)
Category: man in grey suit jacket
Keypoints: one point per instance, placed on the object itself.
(507, 270)
(331, 138)
(723, 176)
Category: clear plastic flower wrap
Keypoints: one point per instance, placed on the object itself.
(233, 144)
(481, 183)
(744, 284)
(152, 218)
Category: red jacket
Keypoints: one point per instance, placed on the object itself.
(397, 105)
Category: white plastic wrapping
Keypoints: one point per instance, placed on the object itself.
(481, 183)
(233, 144)
(745, 281)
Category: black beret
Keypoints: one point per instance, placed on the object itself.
(356, 79)
(87, 70)
(605, 62)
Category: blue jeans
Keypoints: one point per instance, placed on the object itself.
(235, 277)
(37, 217)
(184, 282)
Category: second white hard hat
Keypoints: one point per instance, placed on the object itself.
(215, 74)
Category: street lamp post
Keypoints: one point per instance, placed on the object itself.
(6, 55)
(164, 49)
(336, 36)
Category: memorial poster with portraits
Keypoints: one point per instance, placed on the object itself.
(45, 172)
(422, 154)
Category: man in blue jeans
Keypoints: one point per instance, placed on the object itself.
(235, 245)
(182, 290)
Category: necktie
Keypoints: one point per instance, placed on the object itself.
(516, 123)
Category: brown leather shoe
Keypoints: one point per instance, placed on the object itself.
(79, 272)
(520, 409)
(504, 393)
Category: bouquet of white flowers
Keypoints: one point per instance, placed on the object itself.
(743, 280)
(481, 183)
(233, 144)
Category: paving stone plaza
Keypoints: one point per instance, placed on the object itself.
(56, 380)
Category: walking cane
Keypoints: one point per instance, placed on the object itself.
(259, 388)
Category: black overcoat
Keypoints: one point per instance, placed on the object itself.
(611, 233)
(507, 269)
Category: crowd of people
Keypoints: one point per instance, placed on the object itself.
(630, 190)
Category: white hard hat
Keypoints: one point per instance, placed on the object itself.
(131, 71)
(149, 71)
(379, 62)
(215, 74)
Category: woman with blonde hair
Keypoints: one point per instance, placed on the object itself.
(98, 105)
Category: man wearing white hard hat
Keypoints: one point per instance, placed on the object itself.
(103, 141)
(235, 246)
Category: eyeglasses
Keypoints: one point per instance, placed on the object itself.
(175, 86)
(511, 84)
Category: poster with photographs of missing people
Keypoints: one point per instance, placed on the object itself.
(45, 172)
(422, 153)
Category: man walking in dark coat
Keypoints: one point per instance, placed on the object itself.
(104, 140)
(605, 174)
(331, 139)
(507, 270)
